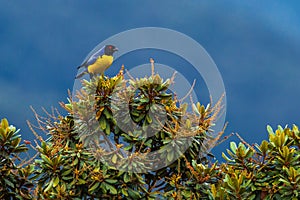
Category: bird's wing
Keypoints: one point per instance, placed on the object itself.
(92, 59)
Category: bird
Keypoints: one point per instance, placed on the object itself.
(98, 62)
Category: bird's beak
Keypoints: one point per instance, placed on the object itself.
(116, 49)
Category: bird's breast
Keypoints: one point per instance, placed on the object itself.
(101, 64)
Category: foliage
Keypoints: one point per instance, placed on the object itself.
(15, 180)
(270, 170)
(72, 164)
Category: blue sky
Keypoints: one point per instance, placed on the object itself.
(256, 46)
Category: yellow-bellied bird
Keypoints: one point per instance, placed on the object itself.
(98, 62)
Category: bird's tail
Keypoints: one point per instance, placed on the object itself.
(82, 65)
(81, 74)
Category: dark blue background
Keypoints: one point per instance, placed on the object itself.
(256, 46)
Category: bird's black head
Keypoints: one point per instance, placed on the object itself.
(109, 50)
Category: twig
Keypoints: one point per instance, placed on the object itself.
(244, 142)
(189, 92)
(29, 161)
(121, 72)
(224, 139)
(129, 75)
(31, 127)
(173, 77)
(152, 66)
(207, 144)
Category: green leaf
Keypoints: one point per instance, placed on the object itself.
(66, 178)
(114, 158)
(81, 181)
(148, 143)
(16, 136)
(112, 181)
(50, 184)
(112, 189)
(195, 109)
(170, 156)
(233, 147)
(8, 182)
(67, 172)
(2, 134)
(4, 123)
(188, 123)
(126, 178)
(20, 149)
(133, 194)
(124, 191)
(144, 100)
(46, 159)
(128, 147)
(56, 181)
(288, 183)
(270, 130)
(107, 113)
(213, 190)
(107, 130)
(102, 122)
(75, 162)
(226, 158)
(94, 187)
(149, 119)
(264, 147)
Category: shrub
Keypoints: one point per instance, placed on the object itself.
(16, 181)
(72, 163)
